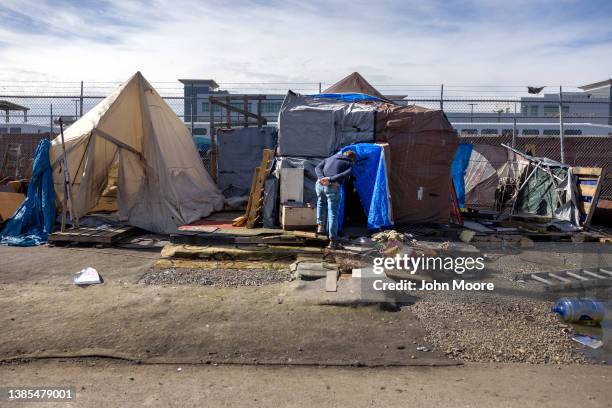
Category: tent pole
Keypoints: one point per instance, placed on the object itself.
(67, 199)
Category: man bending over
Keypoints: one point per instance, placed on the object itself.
(331, 173)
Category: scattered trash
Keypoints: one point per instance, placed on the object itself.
(87, 276)
(583, 311)
(466, 235)
(588, 341)
(422, 348)
(179, 369)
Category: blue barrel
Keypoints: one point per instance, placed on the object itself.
(583, 311)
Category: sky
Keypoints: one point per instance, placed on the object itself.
(472, 42)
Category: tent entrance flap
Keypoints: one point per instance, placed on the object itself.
(370, 181)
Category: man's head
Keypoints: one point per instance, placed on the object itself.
(350, 154)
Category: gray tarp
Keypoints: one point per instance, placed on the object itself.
(240, 151)
(315, 127)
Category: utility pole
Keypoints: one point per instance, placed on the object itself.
(472, 111)
(561, 127)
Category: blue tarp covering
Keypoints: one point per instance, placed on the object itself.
(370, 180)
(348, 97)
(458, 167)
(34, 220)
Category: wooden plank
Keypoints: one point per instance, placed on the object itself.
(257, 193)
(92, 235)
(593, 203)
(587, 171)
(586, 190)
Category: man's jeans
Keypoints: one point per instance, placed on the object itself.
(328, 206)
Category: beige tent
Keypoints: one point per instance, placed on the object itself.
(161, 182)
(354, 83)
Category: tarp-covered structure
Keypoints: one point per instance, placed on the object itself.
(239, 151)
(548, 188)
(421, 141)
(161, 183)
(310, 126)
(34, 219)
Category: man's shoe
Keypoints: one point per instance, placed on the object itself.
(334, 245)
(321, 229)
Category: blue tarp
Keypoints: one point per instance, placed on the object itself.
(458, 167)
(34, 220)
(348, 97)
(370, 180)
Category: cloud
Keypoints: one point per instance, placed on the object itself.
(390, 42)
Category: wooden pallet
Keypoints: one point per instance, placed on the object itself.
(575, 278)
(92, 235)
(255, 203)
(588, 184)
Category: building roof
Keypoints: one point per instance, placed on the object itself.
(209, 82)
(595, 85)
(10, 106)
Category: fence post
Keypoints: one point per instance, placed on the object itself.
(51, 119)
(441, 97)
(193, 105)
(514, 128)
(561, 128)
(81, 101)
(319, 87)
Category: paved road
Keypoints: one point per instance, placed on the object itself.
(101, 383)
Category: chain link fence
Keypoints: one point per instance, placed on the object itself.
(570, 125)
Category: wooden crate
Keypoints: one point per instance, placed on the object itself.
(298, 218)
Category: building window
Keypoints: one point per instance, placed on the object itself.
(469, 132)
(573, 132)
(270, 107)
(200, 131)
(204, 106)
(3, 130)
(488, 132)
(531, 132)
(15, 130)
(553, 110)
(534, 110)
(551, 132)
(507, 132)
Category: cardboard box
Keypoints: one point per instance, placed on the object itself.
(298, 217)
(291, 185)
(9, 203)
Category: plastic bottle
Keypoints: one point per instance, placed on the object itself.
(583, 311)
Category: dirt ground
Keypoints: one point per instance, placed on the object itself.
(122, 342)
(113, 384)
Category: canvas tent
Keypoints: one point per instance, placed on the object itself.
(161, 182)
(478, 171)
(354, 83)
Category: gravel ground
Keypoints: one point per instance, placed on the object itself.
(227, 278)
(495, 328)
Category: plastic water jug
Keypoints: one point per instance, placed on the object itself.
(583, 311)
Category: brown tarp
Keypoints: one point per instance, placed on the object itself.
(354, 83)
(422, 144)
